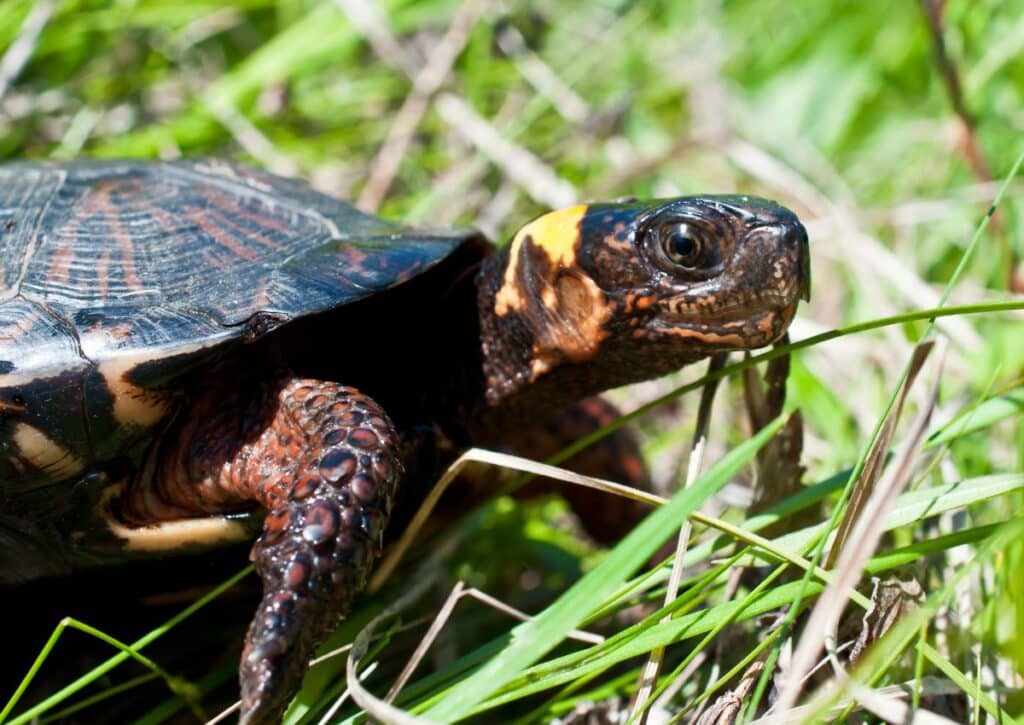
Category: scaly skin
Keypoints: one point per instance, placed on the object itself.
(324, 460)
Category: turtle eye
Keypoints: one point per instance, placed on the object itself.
(682, 244)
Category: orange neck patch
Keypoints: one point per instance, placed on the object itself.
(557, 234)
(543, 282)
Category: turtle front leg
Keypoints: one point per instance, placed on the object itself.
(324, 460)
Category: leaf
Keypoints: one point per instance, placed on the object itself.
(984, 415)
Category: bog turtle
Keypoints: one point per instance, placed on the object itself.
(183, 344)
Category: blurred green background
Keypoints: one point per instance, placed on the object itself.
(887, 125)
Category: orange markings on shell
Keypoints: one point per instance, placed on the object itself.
(712, 338)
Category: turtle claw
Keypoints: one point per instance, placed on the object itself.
(302, 603)
(273, 661)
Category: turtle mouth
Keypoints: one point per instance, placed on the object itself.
(736, 326)
(712, 310)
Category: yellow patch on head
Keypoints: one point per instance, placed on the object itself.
(557, 235)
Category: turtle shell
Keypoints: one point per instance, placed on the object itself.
(118, 277)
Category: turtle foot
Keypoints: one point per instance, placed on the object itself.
(325, 461)
(320, 541)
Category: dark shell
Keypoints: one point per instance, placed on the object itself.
(115, 277)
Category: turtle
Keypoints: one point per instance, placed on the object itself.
(191, 349)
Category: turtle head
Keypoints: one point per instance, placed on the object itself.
(618, 292)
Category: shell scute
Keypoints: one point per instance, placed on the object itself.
(192, 239)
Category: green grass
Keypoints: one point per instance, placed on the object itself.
(840, 110)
